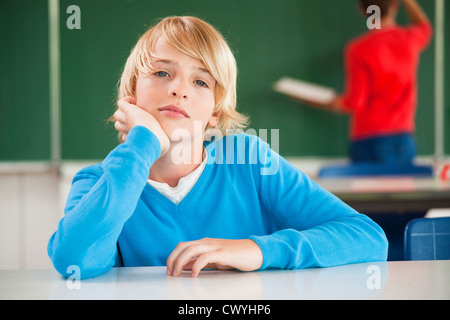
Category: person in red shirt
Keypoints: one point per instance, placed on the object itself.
(381, 84)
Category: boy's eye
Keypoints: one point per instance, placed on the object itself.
(201, 83)
(161, 74)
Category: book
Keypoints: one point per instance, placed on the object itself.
(304, 90)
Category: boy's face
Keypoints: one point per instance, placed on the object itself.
(178, 92)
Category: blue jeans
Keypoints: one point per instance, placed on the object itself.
(395, 149)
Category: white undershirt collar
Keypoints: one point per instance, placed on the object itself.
(185, 184)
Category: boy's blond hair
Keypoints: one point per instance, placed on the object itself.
(201, 41)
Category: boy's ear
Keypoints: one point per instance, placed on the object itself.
(215, 117)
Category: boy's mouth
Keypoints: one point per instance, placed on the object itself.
(172, 111)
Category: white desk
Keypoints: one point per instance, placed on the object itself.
(389, 280)
(390, 194)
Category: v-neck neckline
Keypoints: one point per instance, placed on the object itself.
(187, 198)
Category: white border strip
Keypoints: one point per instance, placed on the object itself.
(55, 82)
(439, 82)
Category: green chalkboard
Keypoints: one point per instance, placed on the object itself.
(446, 82)
(298, 38)
(24, 81)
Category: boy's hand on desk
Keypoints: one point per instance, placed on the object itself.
(130, 115)
(220, 254)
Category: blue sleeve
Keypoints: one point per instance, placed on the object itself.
(100, 201)
(315, 228)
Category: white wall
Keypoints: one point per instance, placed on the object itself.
(31, 205)
(28, 215)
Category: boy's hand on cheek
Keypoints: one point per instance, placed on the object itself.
(220, 254)
(130, 115)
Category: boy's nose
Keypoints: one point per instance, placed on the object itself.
(178, 94)
(179, 89)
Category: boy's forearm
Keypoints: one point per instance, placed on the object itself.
(415, 12)
(102, 198)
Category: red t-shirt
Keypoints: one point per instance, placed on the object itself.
(381, 84)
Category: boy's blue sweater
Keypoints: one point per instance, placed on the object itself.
(113, 217)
